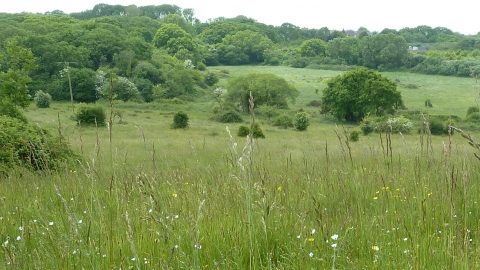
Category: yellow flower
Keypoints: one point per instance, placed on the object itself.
(311, 239)
(279, 188)
(174, 195)
(378, 191)
(376, 248)
(375, 198)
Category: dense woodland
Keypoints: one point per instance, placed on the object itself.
(158, 52)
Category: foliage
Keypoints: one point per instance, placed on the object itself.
(472, 109)
(90, 115)
(13, 112)
(438, 127)
(386, 125)
(473, 117)
(180, 120)
(301, 121)
(284, 121)
(313, 47)
(229, 117)
(243, 47)
(174, 39)
(18, 63)
(257, 131)
(354, 136)
(243, 131)
(357, 93)
(26, 146)
(83, 85)
(42, 99)
(123, 89)
(268, 111)
(211, 78)
(268, 89)
(428, 103)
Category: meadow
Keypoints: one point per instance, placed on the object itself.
(203, 198)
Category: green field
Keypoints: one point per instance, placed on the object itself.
(158, 198)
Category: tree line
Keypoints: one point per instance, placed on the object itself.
(154, 52)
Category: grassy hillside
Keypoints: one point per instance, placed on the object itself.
(157, 198)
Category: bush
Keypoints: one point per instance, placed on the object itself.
(368, 125)
(90, 115)
(201, 66)
(301, 121)
(42, 99)
(354, 136)
(428, 103)
(473, 109)
(243, 131)
(284, 121)
(211, 78)
(180, 120)
(473, 117)
(31, 147)
(437, 127)
(257, 131)
(315, 103)
(230, 117)
(382, 124)
(13, 112)
(268, 111)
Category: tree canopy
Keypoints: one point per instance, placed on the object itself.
(357, 93)
(266, 88)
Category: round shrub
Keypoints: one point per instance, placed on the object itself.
(180, 120)
(201, 66)
(438, 127)
(473, 117)
(90, 115)
(428, 103)
(257, 131)
(284, 121)
(211, 78)
(473, 109)
(31, 147)
(42, 99)
(301, 121)
(368, 126)
(243, 131)
(354, 136)
(230, 117)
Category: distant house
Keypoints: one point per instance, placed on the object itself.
(417, 49)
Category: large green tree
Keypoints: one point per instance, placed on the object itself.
(313, 47)
(243, 47)
(16, 62)
(267, 89)
(360, 92)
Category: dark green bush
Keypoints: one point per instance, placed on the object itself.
(354, 136)
(472, 109)
(257, 131)
(243, 131)
(31, 147)
(42, 99)
(428, 103)
(438, 127)
(90, 115)
(473, 117)
(211, 78)
(283, 120)
(180, 120)
(230, 117)
(301, 121)
(201, 66)
(13, 112)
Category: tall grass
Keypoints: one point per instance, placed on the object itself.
(149, 202)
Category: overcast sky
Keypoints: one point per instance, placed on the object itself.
(459, 16)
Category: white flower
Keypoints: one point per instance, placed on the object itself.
(310, 254)
(313, 231)
(80, 221)
(19, 238)
(198, 246)
(298, 236)
(75, 251)
(334, 245)
(34, 221)
(133, 259)
(176, 216)
(405, 239)
(176, 246)
(335, 236)
(20, 228)
(50, 223)
(104, 255)
(150, 210)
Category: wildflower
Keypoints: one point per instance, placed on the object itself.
(133, 259)
(298, 236)
(50, 223)
(310, 254)
(311, 239)
(150, 210)
(335, 236)
(375, 198)
(104, 255)
(80, 221)
(176, 216)
(19, 238)
(376, 248)
(377, 192)
(405, 239)
(75, 251)
(334, 245)
(313, 231)
(174, 195)
(176, 246)
(34, 221)
(197, 246)
(279, 188)
(20, 228)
